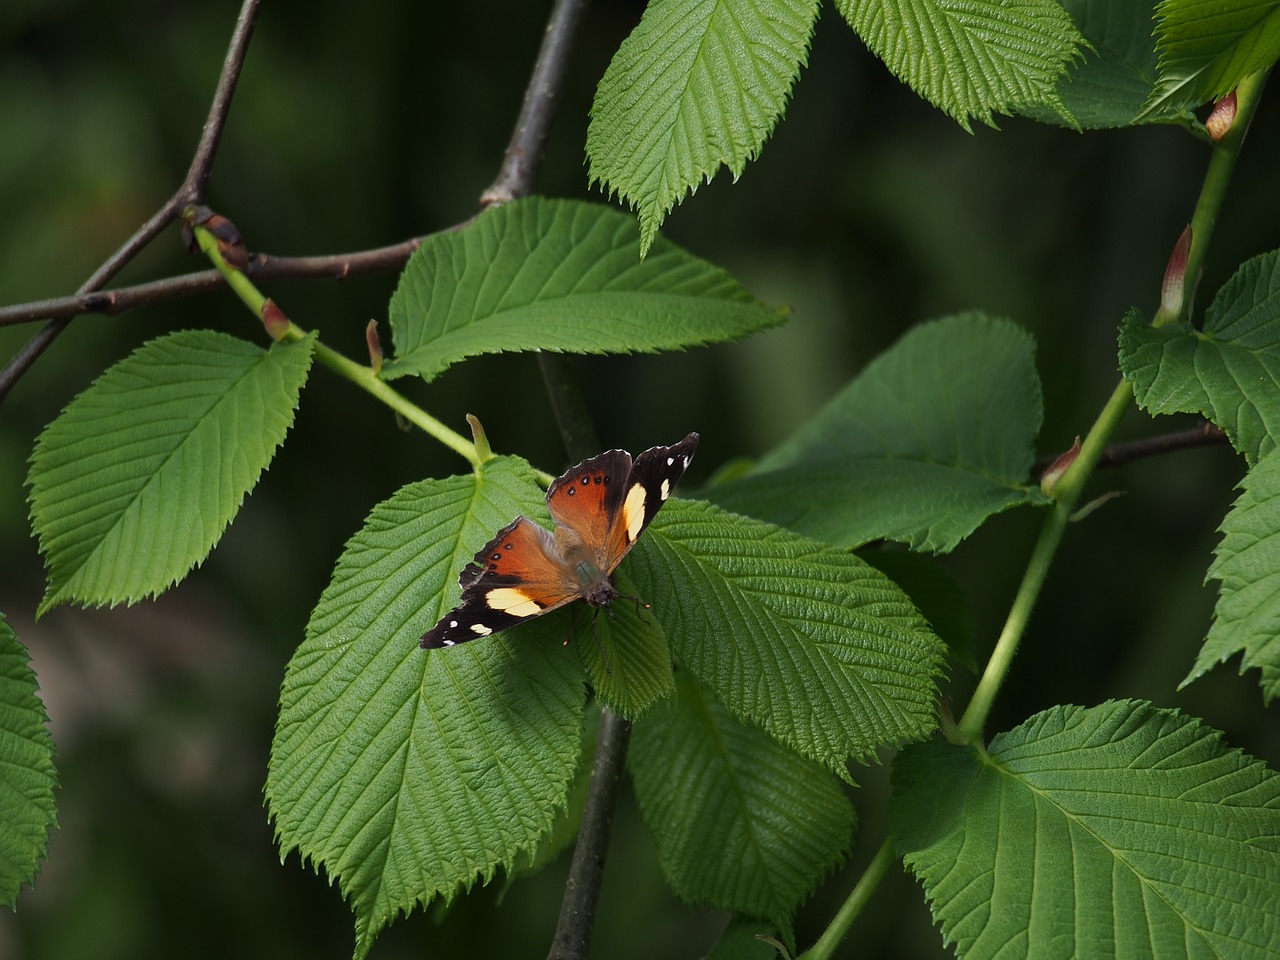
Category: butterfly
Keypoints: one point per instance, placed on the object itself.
(600, 507)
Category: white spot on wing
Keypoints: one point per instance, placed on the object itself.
(480, 630)
(666, 489)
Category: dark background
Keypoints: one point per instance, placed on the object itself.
(867, 212)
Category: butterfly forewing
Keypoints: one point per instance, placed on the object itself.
(652, 478)
(516, 575)
(585, 502)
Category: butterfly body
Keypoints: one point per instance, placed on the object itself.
(600, 507)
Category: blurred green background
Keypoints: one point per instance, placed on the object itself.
(866, 213)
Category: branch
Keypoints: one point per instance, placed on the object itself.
(191, 191)
(262, 266)
(1121, 454)
(582, 889)
(541, 99)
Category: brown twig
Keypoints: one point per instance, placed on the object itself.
(524, 153)
(336, 266)
(191, 191)
(1120, 454)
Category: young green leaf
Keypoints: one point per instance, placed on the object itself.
(1248, 564)
(27, 775)
(1117, 831)
(815, 646)
(1114, 80)
(557, 275)
(1229, 372)
(931, 439)
(133, 484)
(698, 84)
(638, 672)
(1207, 47)
(408, 773)
(971, 58)
(741, 822)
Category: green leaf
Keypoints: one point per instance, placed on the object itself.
(741, 822)
(1247, 562)
(638, 672)
(931, 439)
(27, 775)
(971, 58)
(407, 773)
(1118, 831)
(557, 275)
(134, 483)
(813, 645)
(1207, 47)
(1228, 372)
(1114, 80)
(698, 84)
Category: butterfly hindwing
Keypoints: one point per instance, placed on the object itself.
(516, 575)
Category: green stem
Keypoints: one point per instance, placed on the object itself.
(362, 376)
(1222, 164)
(1066, 496)
(843, 921)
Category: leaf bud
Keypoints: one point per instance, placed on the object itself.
(1222, 117)
(274, 319)
(1049, 479)
(375, 346)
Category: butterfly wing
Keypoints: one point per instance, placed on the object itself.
(609, 500)
(517, 575)
(583, 503)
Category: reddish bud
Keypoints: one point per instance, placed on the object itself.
(1222, 117)
(1049, 480)
(1175, 280)
(193, 216)
(375, 346)
(230, 243)
(275, 321)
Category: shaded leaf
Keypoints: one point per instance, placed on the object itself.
(931, 439)
(1114, 79)
(698, 84)
(1228, 372)
(134, 483)
(1118, 831)
(27, 774)
(740, 940)
(408, 774)
(767, 614)
(741, 822)
(562, 276)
